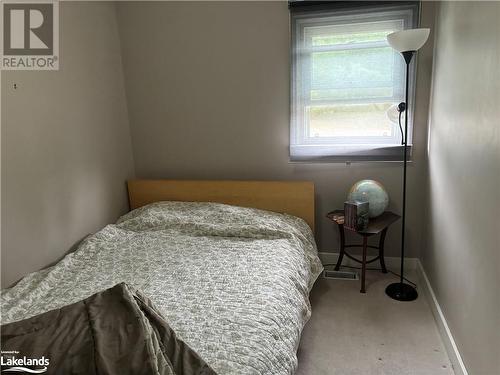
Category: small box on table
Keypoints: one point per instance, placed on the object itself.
(356, 215)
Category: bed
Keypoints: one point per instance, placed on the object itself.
(228, 263)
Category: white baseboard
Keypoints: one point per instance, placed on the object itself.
(444, 330)
(392, 263)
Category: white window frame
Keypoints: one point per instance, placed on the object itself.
(341, 149)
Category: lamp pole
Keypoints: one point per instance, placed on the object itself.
(401, 291)
(407, 42)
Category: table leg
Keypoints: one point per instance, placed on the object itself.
(342, 246)
(363, 265)
(381, 250)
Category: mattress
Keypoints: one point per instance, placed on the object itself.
(232, 282)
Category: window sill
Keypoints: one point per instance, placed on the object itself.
(348, 153)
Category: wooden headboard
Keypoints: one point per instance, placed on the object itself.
(291, 197)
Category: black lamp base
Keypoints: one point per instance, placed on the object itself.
(401, 292)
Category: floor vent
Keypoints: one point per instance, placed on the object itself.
(342, 275)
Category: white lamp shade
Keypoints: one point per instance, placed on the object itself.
(408, 40)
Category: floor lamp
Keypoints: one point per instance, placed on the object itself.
(407, 42)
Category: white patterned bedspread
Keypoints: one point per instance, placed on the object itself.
(232, 282)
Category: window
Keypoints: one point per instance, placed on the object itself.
(347, 82)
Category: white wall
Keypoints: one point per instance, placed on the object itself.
(66, 148)
(208, 97)
(462, 252)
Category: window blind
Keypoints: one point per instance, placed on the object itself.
(347, 80)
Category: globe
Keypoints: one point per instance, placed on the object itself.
(373, 192)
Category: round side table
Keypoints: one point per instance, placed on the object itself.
(378, 225)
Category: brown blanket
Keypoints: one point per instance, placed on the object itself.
(117, 331)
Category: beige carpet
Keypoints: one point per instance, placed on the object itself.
(351, 333)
